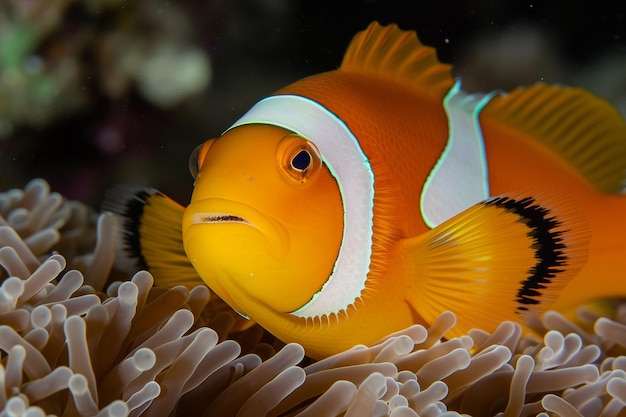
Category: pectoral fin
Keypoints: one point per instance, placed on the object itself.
(151, 235)
(501, 259)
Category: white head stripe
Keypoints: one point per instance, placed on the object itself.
(346, 161)
(460, 177)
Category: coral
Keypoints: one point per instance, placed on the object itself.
(76, 341)
(57, 57)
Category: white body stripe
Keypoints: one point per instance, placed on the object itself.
(460, 178)
(346, 161)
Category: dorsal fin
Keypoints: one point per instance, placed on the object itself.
(395, 54)
(586, 131)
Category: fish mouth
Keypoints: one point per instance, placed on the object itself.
(218, 212)
(213, 218)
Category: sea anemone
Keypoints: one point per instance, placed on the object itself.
(80, 339)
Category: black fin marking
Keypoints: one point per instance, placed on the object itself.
(151, 235)
(547, 234)
(128, 203)
(506, 258)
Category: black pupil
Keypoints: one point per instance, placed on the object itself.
(302, 160)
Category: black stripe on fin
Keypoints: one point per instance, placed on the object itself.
(128, 202)
(547, 233)
(506, 258)
(151, 234)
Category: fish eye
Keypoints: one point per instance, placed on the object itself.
(302, 160)
(197, 157)
(298, 159)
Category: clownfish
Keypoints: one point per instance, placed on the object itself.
(354, 203)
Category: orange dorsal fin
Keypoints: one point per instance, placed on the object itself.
(505, 258)
(398, 55)
(586, 131)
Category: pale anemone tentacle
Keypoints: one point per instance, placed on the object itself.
(574, 369)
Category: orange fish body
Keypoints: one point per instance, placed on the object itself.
(354, 203)
(522, 164)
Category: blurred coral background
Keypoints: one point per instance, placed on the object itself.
(98, 92)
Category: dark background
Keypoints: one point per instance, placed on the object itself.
(87, 138)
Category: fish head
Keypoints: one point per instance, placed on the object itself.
(265, 220)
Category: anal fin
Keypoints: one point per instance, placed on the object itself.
(502, 259)
(150, 235)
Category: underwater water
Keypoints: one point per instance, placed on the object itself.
(107, 93)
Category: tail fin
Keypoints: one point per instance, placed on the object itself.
(503, 259)
(150, 235)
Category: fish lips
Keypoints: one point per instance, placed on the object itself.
(213, 218)
(232, 227)
(220, 212)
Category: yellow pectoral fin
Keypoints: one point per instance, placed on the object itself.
(151, 235)
(501, 259)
